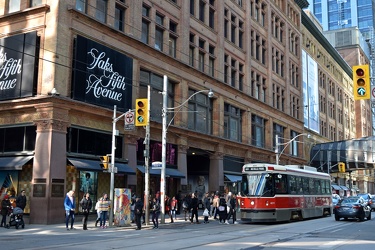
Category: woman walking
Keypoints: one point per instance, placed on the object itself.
(104, 204)
(86, 205)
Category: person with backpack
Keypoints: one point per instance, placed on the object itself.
(186, 206)
(222, 210)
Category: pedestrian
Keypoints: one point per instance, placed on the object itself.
(155, 211)
(173, 207)
(215, 205)
(179, 202)
(231, 203)
(86, 205)
(104, 205)
(70, 206)
(167, 207)
(5, 206)
(194, 208)
(207, 205)
(97, 213)
(138, 210)
(186, 206)
(21, 200)
(222, 210)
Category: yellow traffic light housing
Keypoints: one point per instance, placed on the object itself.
(141, 112)
(342, 167)
(106, 160)
(361, 82)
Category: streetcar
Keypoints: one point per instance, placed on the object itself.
(274, 193)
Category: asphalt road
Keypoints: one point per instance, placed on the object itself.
(322, 233)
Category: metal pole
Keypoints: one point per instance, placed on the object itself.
(277, 149)
(164, 149)
(147, 160)
(112, 167)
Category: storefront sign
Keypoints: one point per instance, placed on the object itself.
(102, 76)
(17, 65)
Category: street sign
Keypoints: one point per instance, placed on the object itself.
(156, 165)
(129, 120)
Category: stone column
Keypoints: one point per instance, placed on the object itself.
(216, 175)
(182, 162)
(49, 180)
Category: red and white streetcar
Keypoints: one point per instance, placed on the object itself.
(272, 193)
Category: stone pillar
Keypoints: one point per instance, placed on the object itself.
(216, 178)
(49, 180)
(182, 162)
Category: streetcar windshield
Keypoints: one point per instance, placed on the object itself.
(257, 185)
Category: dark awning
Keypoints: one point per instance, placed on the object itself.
(14, 162)
(233, 178)
(336, 187)
(93, 165)
(344, 188)
(169, 172)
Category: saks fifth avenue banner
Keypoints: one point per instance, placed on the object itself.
(17, 65)
(101, 76)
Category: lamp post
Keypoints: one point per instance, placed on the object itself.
(278, 155)
(164, 139)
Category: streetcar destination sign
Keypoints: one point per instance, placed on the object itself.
(255, 169)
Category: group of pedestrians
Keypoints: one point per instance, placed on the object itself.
(6, 206)
(221, 207)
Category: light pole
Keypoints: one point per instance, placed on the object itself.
(164, 139)
(278, 155)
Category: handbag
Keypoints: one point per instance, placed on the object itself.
(205, 212)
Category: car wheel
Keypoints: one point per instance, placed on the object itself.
(369, 216)
(361, 216)
(337, 218)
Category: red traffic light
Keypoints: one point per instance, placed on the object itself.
(141, 104)
(360, 72)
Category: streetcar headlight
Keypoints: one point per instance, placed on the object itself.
(252, 203)
(267, 203)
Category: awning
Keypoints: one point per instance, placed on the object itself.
(344, 188)
(14, 162)
(336, 187)
(86, 164)
(233, 178)
(169, 172)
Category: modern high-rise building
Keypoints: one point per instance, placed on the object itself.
(339, 14)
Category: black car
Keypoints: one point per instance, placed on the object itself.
(352, 207)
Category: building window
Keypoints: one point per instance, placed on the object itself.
(101, 10)
(156, 83)
(145, 24)
(200, 113)
(34, 3)
(81, 5)
(159, 39)
(202, 6)
(192, 7)
(17, 139)
(257, 131)
(232, 122)
(279, 131)
(211, 60)
(14, 5)
(119, 18)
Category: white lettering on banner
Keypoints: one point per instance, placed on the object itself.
(9, 68)
(110, 84)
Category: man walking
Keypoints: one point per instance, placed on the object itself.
(194, 208)
(21, 200)
(138, 210)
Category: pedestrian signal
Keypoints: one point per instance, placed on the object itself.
(141, 112)
(106, 160)
(342, 167)
(361, 82)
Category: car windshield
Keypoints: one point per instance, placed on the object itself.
(349, 201)
(364, 196)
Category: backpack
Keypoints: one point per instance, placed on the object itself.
(185, 205)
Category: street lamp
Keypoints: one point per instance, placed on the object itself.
(285, 145)
(164, 139)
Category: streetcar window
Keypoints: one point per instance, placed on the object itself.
(305, 187)
(292, 184)
(280, 184)
(250, 184)
(299, 185)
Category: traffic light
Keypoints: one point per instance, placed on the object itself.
(361, 82)
(342, 167)
(141, 112)
(106, 160)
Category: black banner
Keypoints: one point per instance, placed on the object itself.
(17, 65)
(101, 76)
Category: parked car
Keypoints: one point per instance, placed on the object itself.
(352, 207)
(369, 199)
